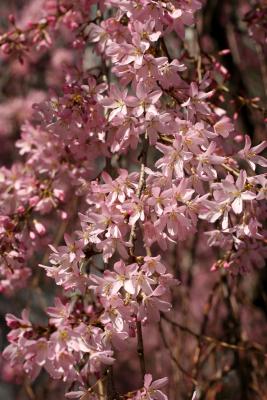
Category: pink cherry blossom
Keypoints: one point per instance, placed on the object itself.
(250, 154)
(152, 388)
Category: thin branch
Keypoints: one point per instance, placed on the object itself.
(140, 188)
(29, 391)
(178, 365)
(140, 347)
(141, 184)
(207, 309)
(218, 342)
(111, 390)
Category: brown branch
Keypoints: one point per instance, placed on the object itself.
(140, 347)
(29, 391)
(204, 324)
(178, 365)
(141, 184)
(255, 347)
(140, 188)
(111, 390)
(263, 67)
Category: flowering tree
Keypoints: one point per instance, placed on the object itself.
(132, 234)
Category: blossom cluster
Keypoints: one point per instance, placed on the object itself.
(82, 334)
(191, 174)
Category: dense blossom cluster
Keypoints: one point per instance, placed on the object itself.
(192, 174)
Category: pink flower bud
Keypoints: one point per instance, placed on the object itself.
(6, 48)
(40, 229)
(12, 19)
(32, 235)
(59, 194)
(21, 210)
(34, 200)
(239, 138)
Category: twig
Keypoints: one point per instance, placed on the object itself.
(263, 67)
(111, 390)
(140, 348)
(178, 365)
(140, 188)
(29, 391)
(218, 377)
(211, 339)
(230, 169)
(165, 49)
(204, 324)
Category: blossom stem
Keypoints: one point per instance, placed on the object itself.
(229, 169)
